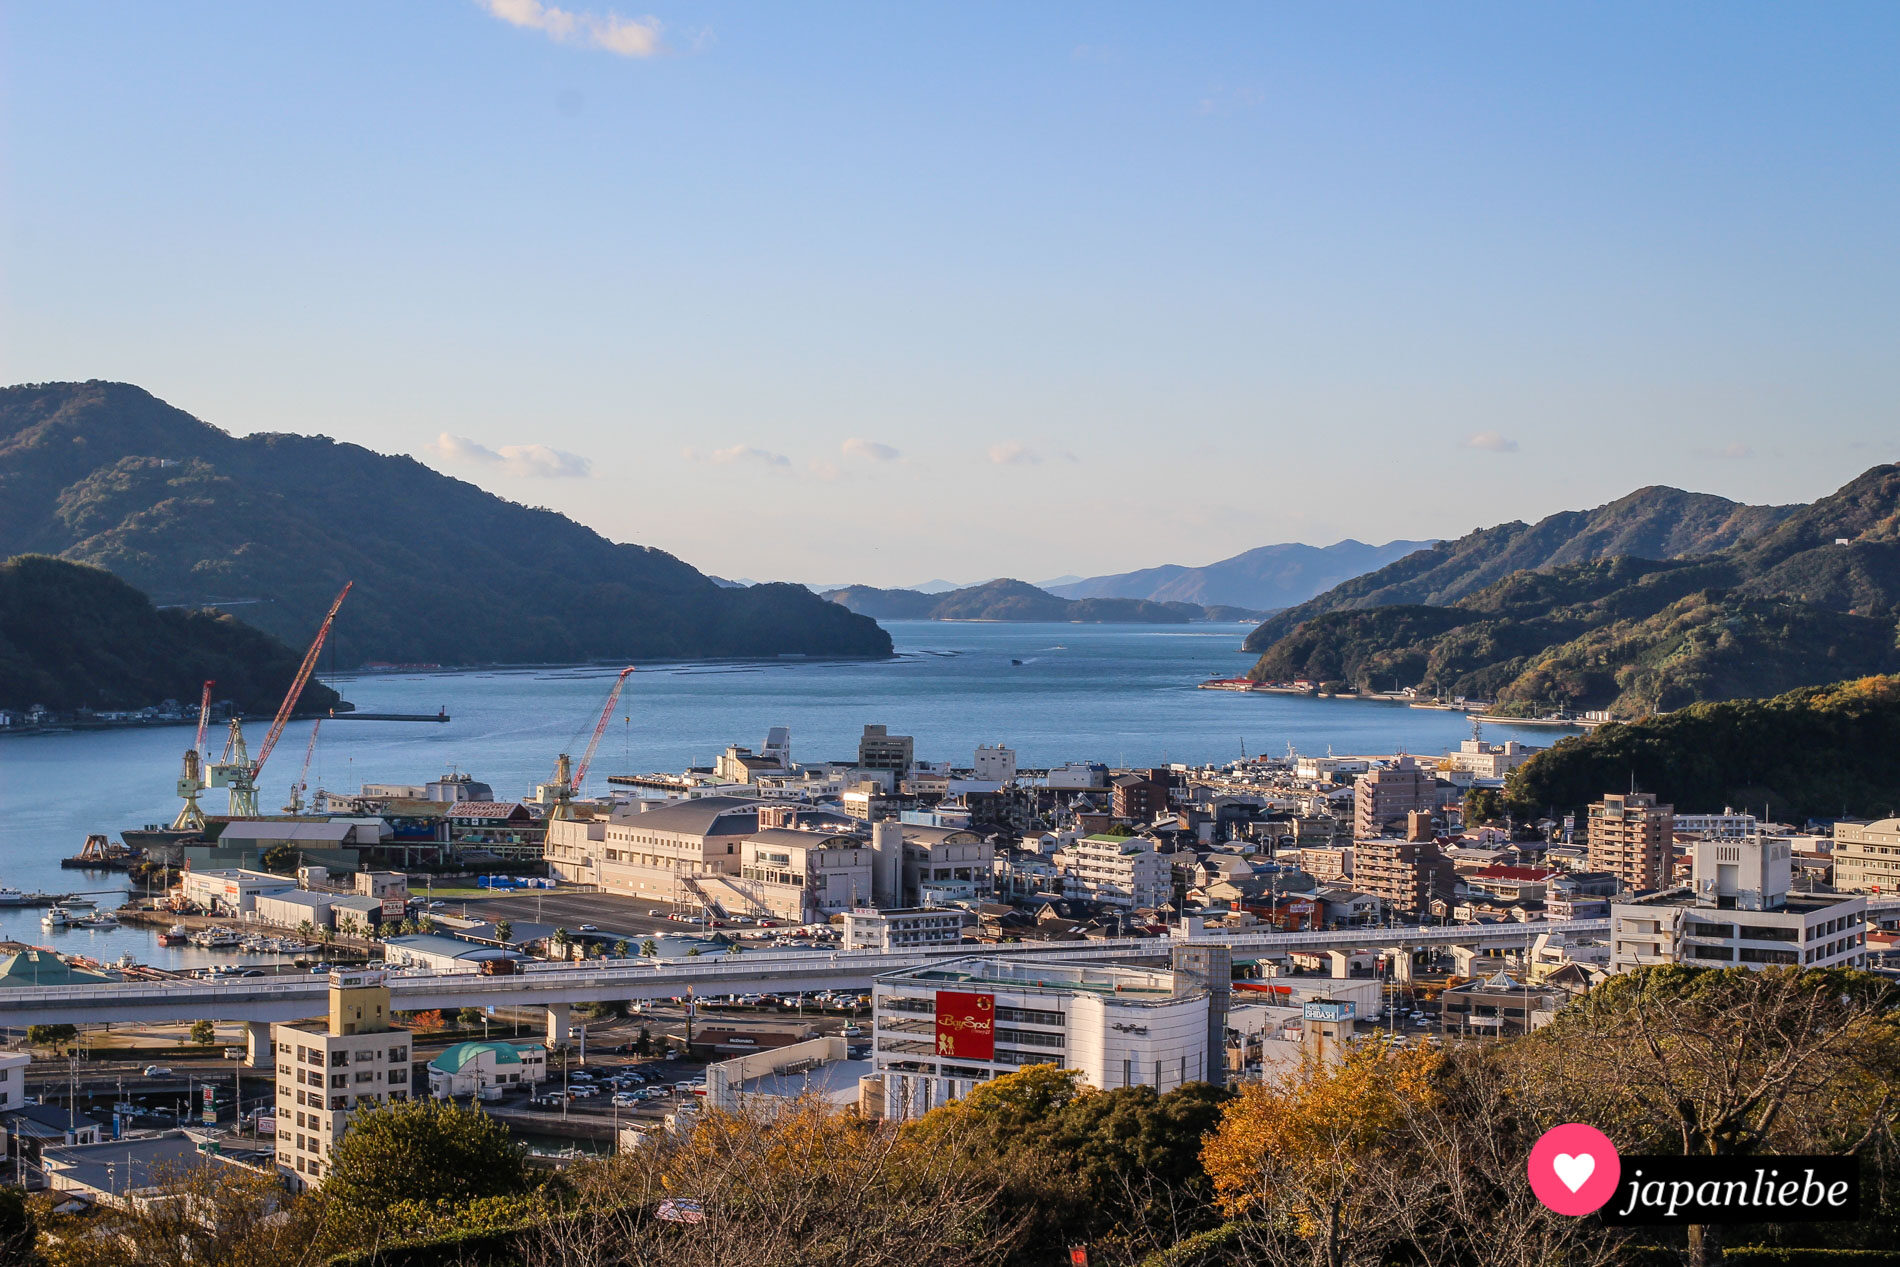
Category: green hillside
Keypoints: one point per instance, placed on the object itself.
(1778, 603)
(1818, 752)
(73, 636)
(1017, 600)
(272, 525)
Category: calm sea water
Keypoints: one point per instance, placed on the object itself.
(1115, 693)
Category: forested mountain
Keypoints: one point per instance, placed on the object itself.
(1018, 600)
(273, 525)
(1754, 601)
(1262, 579)
(73, 636)
(1819, 752)
(1650, 523)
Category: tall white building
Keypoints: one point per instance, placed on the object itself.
(941, 1030)
(1739, 913)
(325, 1072)
(1120, 870)
(1867, 857)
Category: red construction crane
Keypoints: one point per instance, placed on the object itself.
(204, 718)
(295, 692)
(566, 784)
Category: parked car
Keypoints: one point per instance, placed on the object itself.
(852, 1031)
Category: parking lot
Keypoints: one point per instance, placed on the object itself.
(611, 913)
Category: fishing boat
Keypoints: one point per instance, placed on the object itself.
(13, 897)
(103, 919)
(174, 936)
(56, 917)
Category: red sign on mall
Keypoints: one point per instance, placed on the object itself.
(966, 1025)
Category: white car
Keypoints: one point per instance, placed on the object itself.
(852, 1031)
(158, 1071)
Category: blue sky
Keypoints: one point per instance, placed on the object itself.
(888, 292)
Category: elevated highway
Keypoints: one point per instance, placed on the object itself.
(261, 1001)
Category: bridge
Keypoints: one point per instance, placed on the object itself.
(258, 1002)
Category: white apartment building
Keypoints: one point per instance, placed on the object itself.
(1739, 912)
(994, 763)
(1867, 856)
(867, 929)
(325, 1072)
(1120, 870)
(940, 1030)
(805, 876)
(1077, 776)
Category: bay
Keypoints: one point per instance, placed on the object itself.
(1121, 694)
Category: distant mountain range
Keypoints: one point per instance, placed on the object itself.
(1265, 579)
(1656, 600)
(270, 526)
(1019, 601)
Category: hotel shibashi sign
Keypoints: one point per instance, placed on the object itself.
(966, 1025)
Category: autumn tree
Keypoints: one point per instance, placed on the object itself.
(798, 1182)
(1298, 1155)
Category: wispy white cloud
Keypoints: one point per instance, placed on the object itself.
(859, 447)
(823, 468)
(533, 460)
(1490, 442)
(1734, 451)
(1012, 453)
(738, 453)
(609, 32)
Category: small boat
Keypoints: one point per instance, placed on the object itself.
(56, 917)
(75, 900)
(1017, 663)
(104, 919)
(12, 897)
(174, 936)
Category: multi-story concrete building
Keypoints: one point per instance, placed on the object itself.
(994, 763)
(946, 864)
(1483, 760)
(878, 749)
(1739, 913)
(1407, 873)
(653, 850)
(325, 1072)
(1383, 798)
(943, 1029)
(1120, 870)
(1867, 856)
(1632, 837)
(805, 876)
(903, 928)
(1326, 863)
(1140, 795)
(230, 890)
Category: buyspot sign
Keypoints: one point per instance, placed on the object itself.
(1574, 1169)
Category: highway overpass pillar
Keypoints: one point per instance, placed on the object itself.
(1401, 960)
(1341, 962)
(558, 1021)
(257, 1049)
